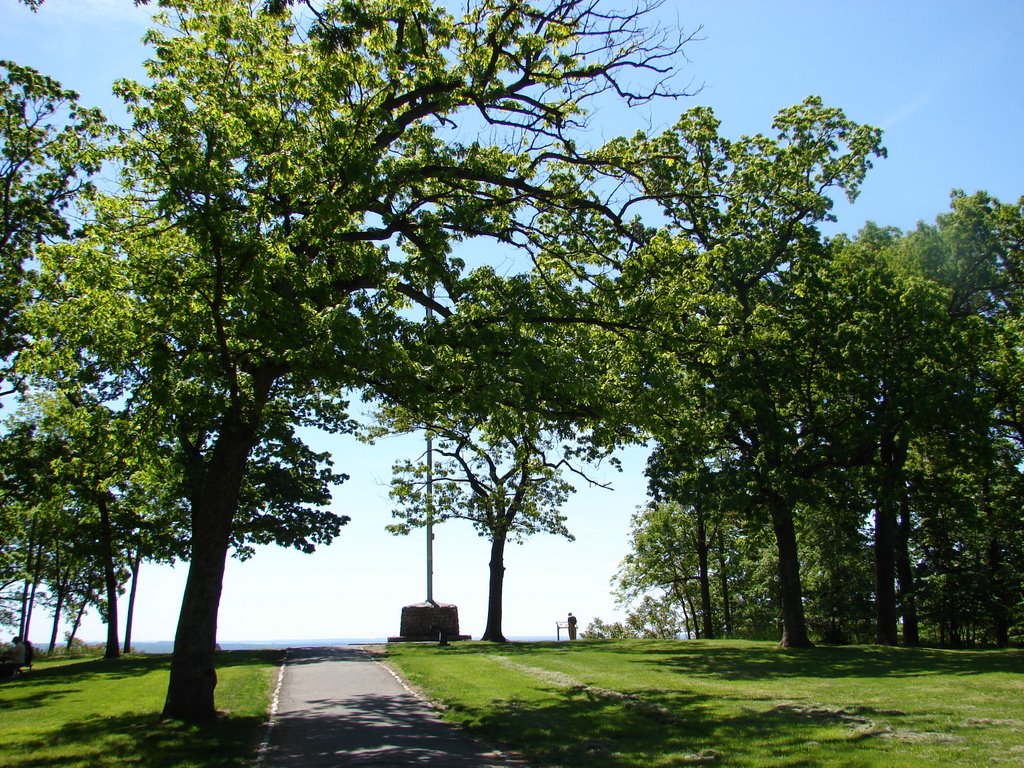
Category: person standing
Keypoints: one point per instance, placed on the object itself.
(572, 626)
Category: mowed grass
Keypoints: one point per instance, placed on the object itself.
(94, 712)
(662, 703)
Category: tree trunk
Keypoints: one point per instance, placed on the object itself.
(723, 577)
(999, 597)
(495, 590)
(54, 629)
(693, 611)
(680, 595)
(29, 569)
(997, 600)
(58, 604)
(109, 577)
(129, 619)
(794, 625)
(885, 571)
(891, 459)
(905, 579)
(77, 622)
(37, 577)
(702, 565)
(190, 690)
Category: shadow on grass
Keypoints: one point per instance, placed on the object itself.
(50, 681)
(558, 723)
(581, 727)
(47, 731)
(755, 661)
(227, 659)
(143, 740)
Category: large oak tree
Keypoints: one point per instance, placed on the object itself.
(291, 184)
(723, 369)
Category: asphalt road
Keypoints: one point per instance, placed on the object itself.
(339, 707)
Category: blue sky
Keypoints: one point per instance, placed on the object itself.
(942, 78)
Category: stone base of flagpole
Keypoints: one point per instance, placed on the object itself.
(429, 622)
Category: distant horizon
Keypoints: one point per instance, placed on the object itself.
(157, 646)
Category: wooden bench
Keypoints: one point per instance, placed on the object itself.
(9, 670)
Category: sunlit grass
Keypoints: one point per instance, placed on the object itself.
(652, 703)
(106, 713)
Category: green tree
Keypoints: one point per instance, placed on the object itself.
(510, 390)
(80, 468)
(29, 518)
(505, 396)
(599, 629)
(49, 147)
(504, 479)
(892, 375)
(915, 319)
(974, 253)
(288, 194)
(837, 557)
(724, 288)
(692, 492)
(155, 502)
(91, 475)
(663, 567)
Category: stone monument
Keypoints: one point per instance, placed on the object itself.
(429, 621)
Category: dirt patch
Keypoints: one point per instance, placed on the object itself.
(821, 713)
(985, 722)
(854, 718)
(924, 737)
(704, 757)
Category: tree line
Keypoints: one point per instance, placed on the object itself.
(886, 400)
(293, 200)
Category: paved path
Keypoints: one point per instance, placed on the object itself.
(339, 707)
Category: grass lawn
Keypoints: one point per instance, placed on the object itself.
(663, 703)
(93, 712)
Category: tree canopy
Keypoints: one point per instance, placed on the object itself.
(900, 461)
(286, 195)
(838, 423)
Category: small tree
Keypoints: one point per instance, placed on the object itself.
(506, 483)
